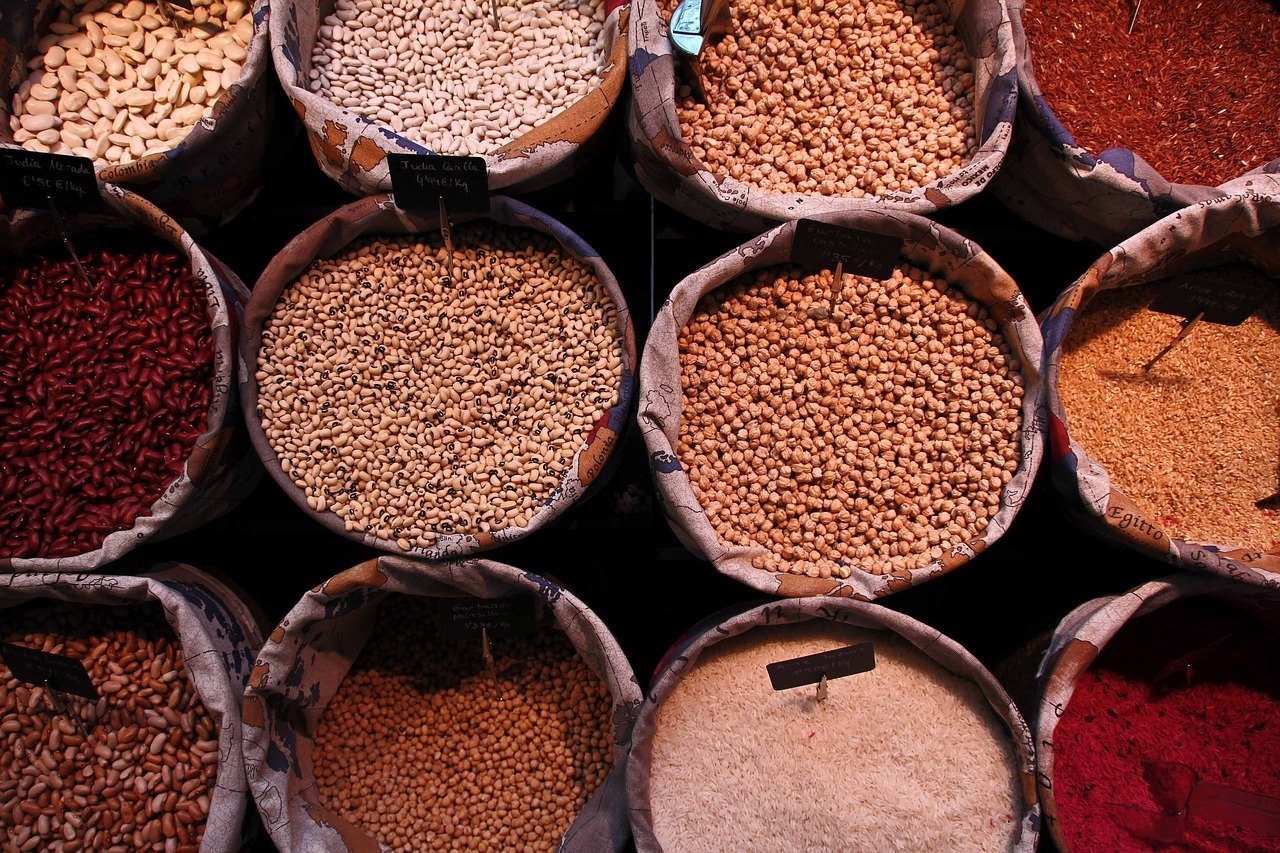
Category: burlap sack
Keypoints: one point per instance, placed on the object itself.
(353, 150)
(1102, 196)
(1080, 638)
(670, 170)
(379, 215)
(1207, 234)
(684, 656)
(221, 470)
(929, 246)
(219, 636)
(211, 174)
(308, 655)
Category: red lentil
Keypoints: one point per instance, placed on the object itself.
(1225, 725)
(103, 389)
(1194, 90)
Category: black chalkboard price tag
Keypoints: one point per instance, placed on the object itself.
(1226, 297)
(30, 179)
(42, 669)
(821, 245)
(811, 669)
(422, 181)
(463, 618)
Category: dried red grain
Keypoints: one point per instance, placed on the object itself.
(1195, 90)
(104, 389)
(1225, 725)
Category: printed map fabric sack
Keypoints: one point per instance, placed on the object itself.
(1080, 638)
(219, 637)
(927, 245)
(669, 169)
(684, 656)
(1103, 197)
(1206, 234)
(212, 173)
(221, 469)
(379, 215)
(353, 150)
(309, 654)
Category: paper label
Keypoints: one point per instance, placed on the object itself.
(503, 617)
(810, 669)
(1227, 297)
(28, 179)
(821, 245)
(419, 181)
(40, 669)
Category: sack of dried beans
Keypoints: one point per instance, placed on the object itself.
(789, 726)
(431, 401)
(413, 706)
(141, 708)
(119, 421)
(1165, 433)
(1159, 720)
(172, 103)
(1129, 112)
(850, 438)
(526, 85)
(824, 109)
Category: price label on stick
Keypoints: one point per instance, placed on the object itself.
(33, 179)
(811, 669)
(422, 181)
(819, 245)
(42, 669)
(463, 618)
(1226, 297)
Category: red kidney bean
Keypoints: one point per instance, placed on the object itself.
(104, 388)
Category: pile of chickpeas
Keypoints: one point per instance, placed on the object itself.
(424, 747)
(851, 423)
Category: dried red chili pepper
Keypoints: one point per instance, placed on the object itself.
(1194, 90)
(104, 388)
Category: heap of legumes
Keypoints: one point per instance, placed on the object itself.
(1147, 427)
(847, 423)
(909, 755)
(417, 394)
(134, 770)
(846, 98)
(446, 76)
(435, 751)
(105, 386)
(116, 81)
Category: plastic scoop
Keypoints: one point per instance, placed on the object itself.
(1181, 797)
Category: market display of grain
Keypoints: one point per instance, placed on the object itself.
(1149, 430)
(868, 423)
(133, 770)
(1181, 84)
(426, 750)
(844, 97)
(461, 76)
(118, 81)
(1130, 744)
(105, 383)
(736, 765)
(413, 395)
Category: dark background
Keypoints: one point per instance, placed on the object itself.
(630, 568)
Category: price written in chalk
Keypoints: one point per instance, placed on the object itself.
(811, 669)
(30, 179)
(421, 181)
(43, 669)
(1227, 296)
(462, 618)
(821, 245)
